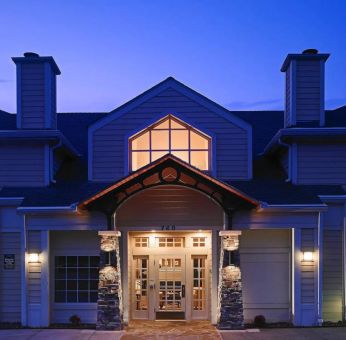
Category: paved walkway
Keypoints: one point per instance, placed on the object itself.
(165, 330)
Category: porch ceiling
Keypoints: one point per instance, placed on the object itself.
(168, 170)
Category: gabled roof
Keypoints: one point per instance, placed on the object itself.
(170, 82)
(168, 170)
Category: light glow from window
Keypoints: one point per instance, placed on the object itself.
(170, 135)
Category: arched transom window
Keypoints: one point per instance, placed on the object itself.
(170, 135)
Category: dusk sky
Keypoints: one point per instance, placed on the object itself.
(230, 51)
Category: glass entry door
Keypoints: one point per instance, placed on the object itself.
(170, 287)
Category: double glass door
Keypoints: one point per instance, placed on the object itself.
(170, 278)
(170, 287)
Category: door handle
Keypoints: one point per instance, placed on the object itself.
(183, 291)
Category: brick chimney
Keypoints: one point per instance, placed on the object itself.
(36, 91)
(304, 103)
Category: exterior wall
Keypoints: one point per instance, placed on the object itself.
(321, 164)
(169, 205)
(65, 243)
(274, 220)
(35, 296)
(309, 90)
(265, 268)
(10, 279)
(32, 93)
(109, 142)
(333, 286)
(36, 96)
(67, 221)
(22, 164)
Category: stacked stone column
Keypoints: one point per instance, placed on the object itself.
(230, 286)
(109, 303)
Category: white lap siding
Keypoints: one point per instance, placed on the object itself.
(10, 279)
(72, 243)
(332, 275)
(265, 268)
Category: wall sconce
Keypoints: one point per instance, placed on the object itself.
(308, 256)
(34, 257)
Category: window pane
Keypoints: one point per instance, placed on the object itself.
(180, 139)
(139, 159)
(93, 296)
(198, 142)
(60, 261)
(71, 261)
(141, 142)
(94, 261)
(60, 273)
(71, 296)
(176, 125)
(160, 140)
(157, 154)
(60, 296)
(83, 296)
(94, 273)
(60, 284)
(83, 261)
(183, 155)
(199, 159)
(163, 125)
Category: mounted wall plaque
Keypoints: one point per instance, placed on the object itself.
(9, 261)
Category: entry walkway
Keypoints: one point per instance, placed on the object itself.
(165, 330)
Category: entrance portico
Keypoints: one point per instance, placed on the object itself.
(169, 244)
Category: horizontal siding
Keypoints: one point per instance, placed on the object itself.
(34, 269)
(321, 164)
(332, 275)
(33, 96)
(308, 91)
(10, 279)
(169, 205)
(109, 141)
(308, 269)
(266, 254)
(22, 165)
(72, 243)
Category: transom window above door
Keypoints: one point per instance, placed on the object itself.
(170, 135)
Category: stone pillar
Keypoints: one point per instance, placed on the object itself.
(109, 303)
(230, 286)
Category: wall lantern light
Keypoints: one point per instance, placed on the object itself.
(34, 257)
(308, 256)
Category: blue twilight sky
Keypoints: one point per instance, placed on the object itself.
(231, 51)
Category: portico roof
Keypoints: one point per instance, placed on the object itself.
(173, 171)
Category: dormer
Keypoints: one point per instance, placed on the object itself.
(36, 91)
(304, 102)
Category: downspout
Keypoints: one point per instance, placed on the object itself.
(51, 156)
(280, 142)
(24, 309)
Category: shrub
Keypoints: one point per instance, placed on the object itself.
(75, 320)
(260, 321)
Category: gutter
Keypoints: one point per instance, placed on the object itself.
(23, 210)
(327, 132)
(292, 207)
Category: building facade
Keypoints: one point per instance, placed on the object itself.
(172, 207)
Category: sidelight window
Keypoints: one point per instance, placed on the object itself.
(170, 135)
